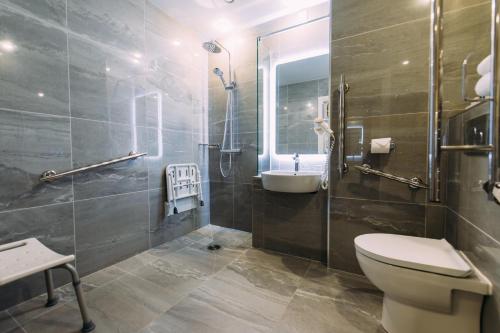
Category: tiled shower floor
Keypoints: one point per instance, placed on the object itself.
(182, 287)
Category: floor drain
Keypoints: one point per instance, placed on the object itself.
(213, 247)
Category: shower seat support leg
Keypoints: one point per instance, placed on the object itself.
(49, 283)
(88, 325)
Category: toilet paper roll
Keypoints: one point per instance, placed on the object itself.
(381, 146)
(484, 66)
(482, 87)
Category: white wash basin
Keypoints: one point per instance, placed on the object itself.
(291, 181)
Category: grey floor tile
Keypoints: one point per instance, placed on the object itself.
(126, 304)
(309, 312)
(327, 277)
(204, 312)
(333, 301)
(274, 260)
(33, 308)
(64, 319)
(277, 284)
(102, 277)
(136, 262)
(198, 259)
(176, 279)
(7, 323)
(172, 246)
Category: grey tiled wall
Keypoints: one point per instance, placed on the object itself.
(386, 99)
(292, 223)
(112, 82)
(472, 222)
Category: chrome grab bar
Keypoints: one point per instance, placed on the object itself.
(51, 175)
(343, 168)
(494, 116)
(210, 145)
(435, 101)
(231, 151)
(468, 148)
(414, 183)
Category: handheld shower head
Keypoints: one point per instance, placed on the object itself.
(217, 71)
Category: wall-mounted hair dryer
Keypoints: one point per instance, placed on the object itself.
(321, 128)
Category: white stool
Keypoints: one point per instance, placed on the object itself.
(28, 257)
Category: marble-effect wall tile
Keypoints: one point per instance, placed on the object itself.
(352, 218)
(33, 72)
(110, 229)
(116, 23)
(32, 144)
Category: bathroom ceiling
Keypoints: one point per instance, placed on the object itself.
(216, 18)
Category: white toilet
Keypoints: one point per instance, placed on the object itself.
(429, 287)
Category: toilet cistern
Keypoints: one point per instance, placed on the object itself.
(297, 161)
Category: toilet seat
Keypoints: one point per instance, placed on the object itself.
(423, 254)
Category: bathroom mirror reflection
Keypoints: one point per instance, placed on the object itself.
(301, 96)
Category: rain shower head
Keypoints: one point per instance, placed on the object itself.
(212, 47)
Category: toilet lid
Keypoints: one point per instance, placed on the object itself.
(424, 254)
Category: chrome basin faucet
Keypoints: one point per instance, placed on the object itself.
(297, 161)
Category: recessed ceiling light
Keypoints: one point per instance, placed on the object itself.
(108, 69)
(406, 62)
(7, 46)
(41, 94)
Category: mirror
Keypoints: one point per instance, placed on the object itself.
(301, 96)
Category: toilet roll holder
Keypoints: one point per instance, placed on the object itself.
(392, 146)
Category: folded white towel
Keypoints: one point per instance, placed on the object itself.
(482, 87)
(484, 66)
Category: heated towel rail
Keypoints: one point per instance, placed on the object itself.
(51, 175)
(435, 148)
(413, 183)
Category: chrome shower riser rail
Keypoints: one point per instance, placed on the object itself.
(413, 183)
(51, 175)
